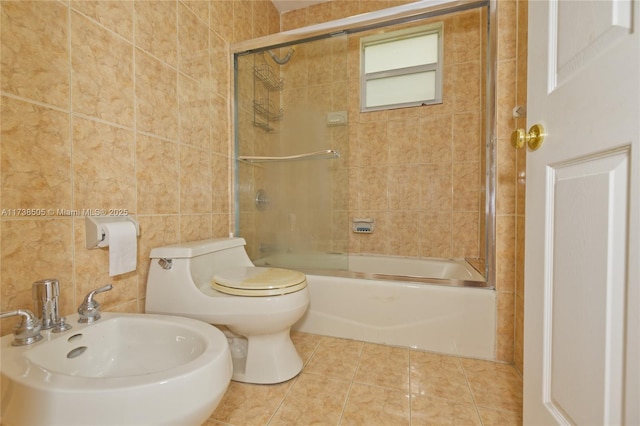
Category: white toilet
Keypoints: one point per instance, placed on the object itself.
(216, 282)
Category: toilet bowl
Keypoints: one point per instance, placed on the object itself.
(216, 282)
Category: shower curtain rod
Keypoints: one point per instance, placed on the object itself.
(327, 154)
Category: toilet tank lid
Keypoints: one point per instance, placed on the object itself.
(195, 248)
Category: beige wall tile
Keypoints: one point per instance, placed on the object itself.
(465, 38)
(344, 8)
(34, 56)
(194, 120)
(505, 329)
(193, 45)
(220, 125)
(194, 227)
(156, 97)
(195, 181)
(294, 19)
(506, 94)
(400, 237)
(114, 15)
(220, 65)
(436, 141)
(261, 12)
(506, 178)
(404, 141)
(102, 72)
(468, 140)
(507, 29)
(220, 184)
(200, 8)
(372, 188)
(467, 80)
(465, 234)
(157, 175)
(242, 21)
(103, 166)
(221, 18)
(36, 157)
(466, 186)
(156, 31)
(435, 232)
(506, 251)
(518, 356)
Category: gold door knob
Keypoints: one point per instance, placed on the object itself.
(533, 138)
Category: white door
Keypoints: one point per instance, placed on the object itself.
(582, 267)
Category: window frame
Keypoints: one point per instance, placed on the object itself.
(434, 28)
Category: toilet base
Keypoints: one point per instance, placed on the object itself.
(265, 358)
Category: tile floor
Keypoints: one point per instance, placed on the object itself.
(347, 382)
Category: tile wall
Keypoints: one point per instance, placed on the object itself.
(511, 90)
(417, 171)
(113, 105)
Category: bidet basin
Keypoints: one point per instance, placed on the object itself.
(125, 369)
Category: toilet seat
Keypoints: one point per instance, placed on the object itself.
(258, 281)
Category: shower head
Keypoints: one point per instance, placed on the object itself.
(281, 61)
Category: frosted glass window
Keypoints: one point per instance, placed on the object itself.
(412, 88)
(402, 68)
(403, 53)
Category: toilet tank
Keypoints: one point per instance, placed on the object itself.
(204, 258)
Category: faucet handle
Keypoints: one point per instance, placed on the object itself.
(28, 330)
(89, 310)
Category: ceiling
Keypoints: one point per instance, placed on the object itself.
(286, 5)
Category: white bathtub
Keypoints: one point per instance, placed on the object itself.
(412, 311)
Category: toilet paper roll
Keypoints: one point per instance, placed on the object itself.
(121, 238)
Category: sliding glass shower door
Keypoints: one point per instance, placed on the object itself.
(292, 151)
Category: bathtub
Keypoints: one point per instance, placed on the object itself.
(389, 300)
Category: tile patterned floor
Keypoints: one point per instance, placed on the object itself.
(347, 382)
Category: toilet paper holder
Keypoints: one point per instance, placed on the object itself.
(94, 231)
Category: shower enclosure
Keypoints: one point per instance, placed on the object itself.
(318, 180)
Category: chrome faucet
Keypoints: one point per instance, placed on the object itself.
(45, 302)
(28, 330)
(89, 310)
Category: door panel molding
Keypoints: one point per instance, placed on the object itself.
(573, 44)
(587, 202)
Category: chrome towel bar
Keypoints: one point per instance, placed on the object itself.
(327, 154)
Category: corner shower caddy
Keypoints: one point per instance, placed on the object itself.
(265, 81)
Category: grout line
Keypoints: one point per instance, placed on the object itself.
(293, 383)
(74, 284)
(140, 302)
(410, 389)
(346, 401)
(473, 397)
